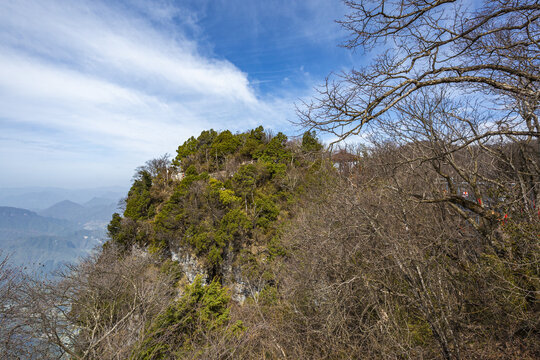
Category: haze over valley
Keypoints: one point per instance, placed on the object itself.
(42, 229)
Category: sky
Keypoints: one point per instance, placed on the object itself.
(89, 90)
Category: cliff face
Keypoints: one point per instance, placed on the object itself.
(218, 208)
(192, 267)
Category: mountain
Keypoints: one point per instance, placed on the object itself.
(59, 234)
(98, 201)
(49, 252)
(94, 210)
(267, 249)
(67, 210)
(37, 242)
(26, 221)
(39, 198)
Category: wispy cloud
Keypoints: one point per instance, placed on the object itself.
(118, 46)
(101, 85)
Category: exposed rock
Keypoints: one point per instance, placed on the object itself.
(232, 275)
(191, 266)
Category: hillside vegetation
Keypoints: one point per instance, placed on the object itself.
(422, 243)
(253, 246)
(223, 201)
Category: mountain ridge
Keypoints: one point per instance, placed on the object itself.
(40, 198)
(34, 242)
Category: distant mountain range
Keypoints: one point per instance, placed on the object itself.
(96, 209)
(39, 198)
(26, 221)
(44, 240)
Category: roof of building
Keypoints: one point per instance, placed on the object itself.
(344, 156)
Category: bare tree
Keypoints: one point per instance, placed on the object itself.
(15, 333)
(99, 308)
(373, 273)
(455, 87)
(155, 167)
(491, 52)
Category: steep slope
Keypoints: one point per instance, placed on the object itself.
(220, 215)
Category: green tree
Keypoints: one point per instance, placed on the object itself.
(310, 142)
(189, 147)
(224, 144)
(276, 149)
(200, 310)
(139, 201)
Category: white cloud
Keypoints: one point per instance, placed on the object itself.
(83, 83)
(24, 77)
(129, 49)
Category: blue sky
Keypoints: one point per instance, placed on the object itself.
(89, 90)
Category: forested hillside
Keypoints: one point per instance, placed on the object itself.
(250, 245)
(422, 241)
(220, 207)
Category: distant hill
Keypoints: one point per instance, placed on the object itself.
(95, 210)
(98, 201)
(72, 223)
(48, 253)
(26, 221)
(39, 198)
(45, 243)
(67, 210)
(100, 209)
